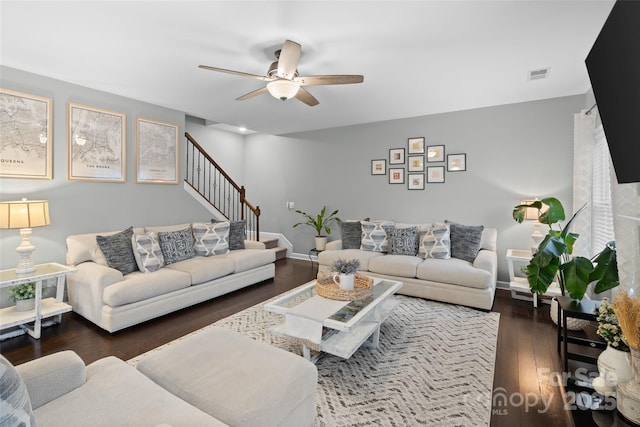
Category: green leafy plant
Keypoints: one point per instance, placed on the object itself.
(22, 292)
(553, 258)
(344, 266)
(320, 222)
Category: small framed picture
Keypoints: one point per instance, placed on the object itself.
(416, 163)
(456, 162)
(396, 175)
(435, 153)
(396, 156)
(416, 145)
(435, 174)
(416, 181)
(379, 167)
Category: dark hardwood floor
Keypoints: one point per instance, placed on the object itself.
(525, 393)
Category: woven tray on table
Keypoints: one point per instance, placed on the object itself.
(362, 288)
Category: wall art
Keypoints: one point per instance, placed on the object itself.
(396, 175)
(378, 167)
(416, 145)
(435, 174)
(416, 181)
(457, 162)
(156, 152)
(416, 163)
(25, 135)
(96, 144)
(435, 153)
(396, 156)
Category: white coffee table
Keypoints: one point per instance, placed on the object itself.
(331, 326)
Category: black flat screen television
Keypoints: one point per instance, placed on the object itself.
(613, 65)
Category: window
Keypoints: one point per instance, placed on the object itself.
(601, 202)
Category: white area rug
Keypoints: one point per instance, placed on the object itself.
(434, 367)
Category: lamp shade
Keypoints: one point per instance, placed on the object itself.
(283, 89)
(531, 214)
(24, 214)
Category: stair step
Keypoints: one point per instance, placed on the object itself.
(269, 242)
(281, 253)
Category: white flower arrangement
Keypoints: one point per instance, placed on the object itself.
(609, 328)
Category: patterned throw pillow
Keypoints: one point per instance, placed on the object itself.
(118, 251)
(211, 239)
(465, 240)
(176, 245)
(404, 241)
(237, 234)
(375, 235)
(15, 405)
(147, 252)
(436, 242)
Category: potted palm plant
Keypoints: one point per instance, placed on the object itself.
(24, 296)
(320, 222)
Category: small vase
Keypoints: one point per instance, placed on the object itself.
(346, 281)
(628, 394)
(615, 367)
(25, 304)
(321, 243)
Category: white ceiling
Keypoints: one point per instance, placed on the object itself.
(417, 57)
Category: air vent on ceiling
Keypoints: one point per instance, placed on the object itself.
(539, 74)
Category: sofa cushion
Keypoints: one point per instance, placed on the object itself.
(351, 234)
(404, 241)
(147, 252)
(211, 239)
(436, 242)
(118, 251)
(465, 240)
(237, 234)
(395, 265)
(176, 245)
(203, 269)
(15, 405)
(375, 235)
(329, 257)
(138, 286)
(246, 259)
(165, 228)
(454, 271)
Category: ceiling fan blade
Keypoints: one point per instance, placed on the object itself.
(236, 73)
(306, 97)
(288, 59)
(252, 94)
(329, 80)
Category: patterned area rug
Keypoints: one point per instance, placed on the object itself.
(434, 367)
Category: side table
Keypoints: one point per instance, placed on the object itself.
(44, 308)
(520, 284)
(316, 252)
(585, 309)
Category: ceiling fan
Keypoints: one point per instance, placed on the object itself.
(283, 79)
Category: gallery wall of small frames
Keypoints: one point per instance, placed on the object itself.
(418, 164)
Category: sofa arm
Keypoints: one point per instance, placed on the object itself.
(334, 245)
(86, 288)
(252, 244)
(487, 260)
(50, 377)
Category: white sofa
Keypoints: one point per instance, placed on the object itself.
(115, 301)
(450, 280)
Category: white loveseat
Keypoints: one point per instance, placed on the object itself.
(452, 280)
(114, 301)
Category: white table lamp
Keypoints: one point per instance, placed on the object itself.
(532, 214)
(24, 215)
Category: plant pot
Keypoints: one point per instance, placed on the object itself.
(345, 281)
(572, 323)
(628, 394)
(25, 304)
(321, 243)
(614, 367)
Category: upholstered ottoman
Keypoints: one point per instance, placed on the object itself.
(236, 379)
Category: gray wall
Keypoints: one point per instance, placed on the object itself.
(79, 207)
(513, 152)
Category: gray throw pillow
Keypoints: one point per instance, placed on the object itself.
(237, 235)
(118, 251)
(404, 241)
(176, 245)
(465, 240)
(14, 398)
(351, 234)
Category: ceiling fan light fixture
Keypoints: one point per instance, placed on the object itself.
(283, 89)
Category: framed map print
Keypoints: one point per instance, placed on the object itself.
(25, 135)
(95, 144)
(156, 152)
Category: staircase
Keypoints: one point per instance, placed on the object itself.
(271, 243)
